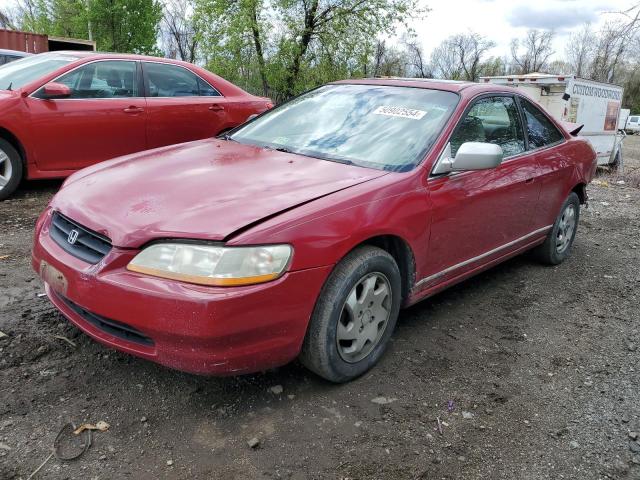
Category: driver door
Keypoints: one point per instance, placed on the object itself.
(105, 117)
(481, 215)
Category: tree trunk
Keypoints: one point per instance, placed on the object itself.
(259, 52)
(307, 34)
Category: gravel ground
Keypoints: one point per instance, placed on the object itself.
(532, 372)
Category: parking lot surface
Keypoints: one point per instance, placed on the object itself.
(523, 372)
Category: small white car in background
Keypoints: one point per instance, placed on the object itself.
(633, 124)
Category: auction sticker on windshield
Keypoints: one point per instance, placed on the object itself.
(400, 112)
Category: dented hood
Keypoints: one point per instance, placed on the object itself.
(202, 190)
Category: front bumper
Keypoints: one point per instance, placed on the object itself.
(204, 330)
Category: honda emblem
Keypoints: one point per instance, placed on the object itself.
(73, 236)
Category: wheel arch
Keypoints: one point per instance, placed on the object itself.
(581, 190)
(13, 140)
(401, 252)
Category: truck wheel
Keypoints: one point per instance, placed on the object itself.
(354, 316)
(557, 245)
(10, 169)
(617, 161)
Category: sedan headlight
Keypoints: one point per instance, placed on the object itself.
(212, 264)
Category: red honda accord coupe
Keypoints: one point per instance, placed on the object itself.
(63, 111)
(303, 232)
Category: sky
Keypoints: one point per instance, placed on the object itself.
(502, 20)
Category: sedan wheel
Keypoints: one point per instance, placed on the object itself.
(10, 169)
(566, 227)
(557, 245)
(5, 169)
(364, 317)
(354, 316)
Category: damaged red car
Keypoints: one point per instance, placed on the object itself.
(302, 233)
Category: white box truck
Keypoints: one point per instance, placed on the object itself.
(568, 98)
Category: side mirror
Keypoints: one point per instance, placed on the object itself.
(55, 90)
(470, 156)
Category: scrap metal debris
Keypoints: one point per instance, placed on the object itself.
(84, 430)
(101, 426)
(65, 339)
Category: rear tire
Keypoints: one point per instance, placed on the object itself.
(10, 169)
(557, 245)
(354, 316)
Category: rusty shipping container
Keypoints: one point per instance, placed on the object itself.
(37, 43)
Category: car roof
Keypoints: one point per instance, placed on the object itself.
(430, 83)
(16, 53)
(91, 55)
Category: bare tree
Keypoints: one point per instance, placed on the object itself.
(179, 30)
(613, 43)
(532, 53)
(416, 59)
(460, 57)
(580, 50)
(445, 62)
(6, 20)
(470, 49)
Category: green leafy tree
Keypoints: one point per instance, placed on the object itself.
(116, 25)
(126, 25)
(283, 47)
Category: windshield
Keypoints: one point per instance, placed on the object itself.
(389, 128)
(17, 74)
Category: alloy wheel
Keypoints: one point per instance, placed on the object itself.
(6, 169)
(364, 317)
(566, 226)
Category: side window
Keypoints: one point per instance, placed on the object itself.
(540, 130)
(3, 60)
(171, 81)
(108, 79)
(207, 90)
(491, 120)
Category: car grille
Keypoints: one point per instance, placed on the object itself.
(112, 327)
(78, 240)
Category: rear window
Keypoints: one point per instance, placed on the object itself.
(540, 130)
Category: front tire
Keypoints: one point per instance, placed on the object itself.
(557, 245)
(10, 169)
(354, 316)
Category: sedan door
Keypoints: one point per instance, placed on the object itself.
(103, 118)
(182, 106)
(483, 214)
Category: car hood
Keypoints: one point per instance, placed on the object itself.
(202, 190)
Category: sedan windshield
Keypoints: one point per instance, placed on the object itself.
(17, 74)
(383, 127)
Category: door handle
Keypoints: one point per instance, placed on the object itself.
(133, 109)
(216, 107)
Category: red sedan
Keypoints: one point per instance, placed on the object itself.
(63, 111)
(304, 231)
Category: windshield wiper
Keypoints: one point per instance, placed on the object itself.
(10, 85)
(227, 137)
(284, 149)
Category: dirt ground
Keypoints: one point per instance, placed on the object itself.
(533, 373)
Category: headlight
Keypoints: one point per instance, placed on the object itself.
(211, 264)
